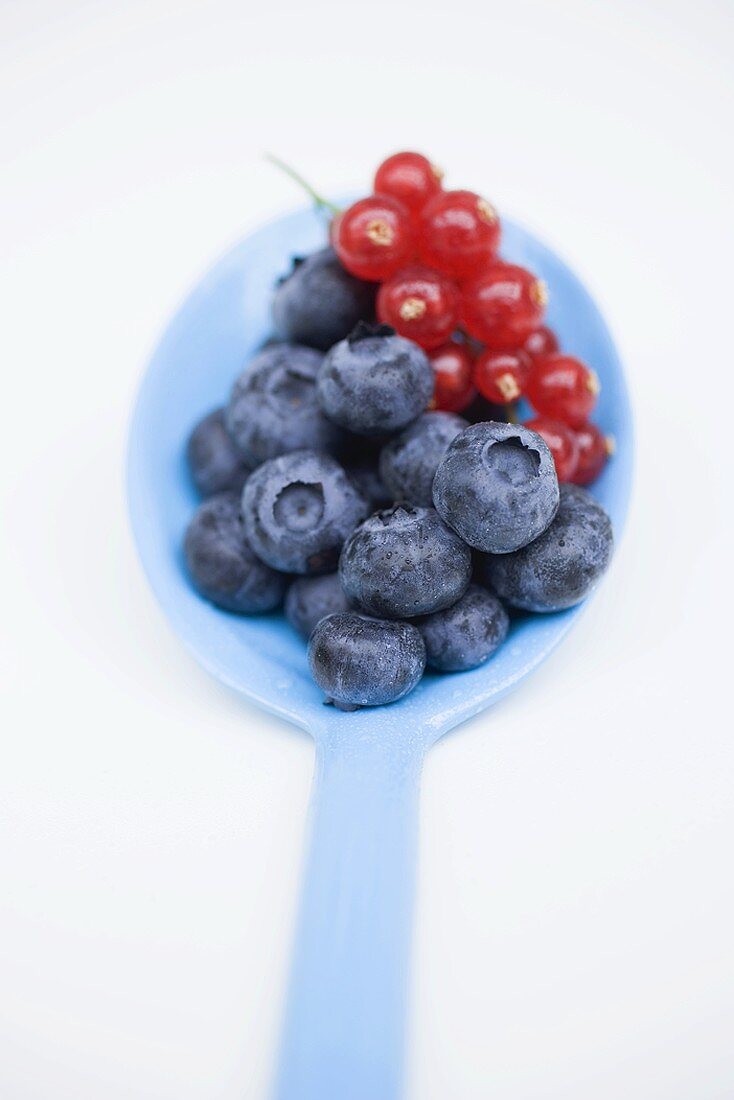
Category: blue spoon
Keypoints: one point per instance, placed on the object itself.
(345, 1016)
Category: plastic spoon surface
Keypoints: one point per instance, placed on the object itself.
(345, 1016)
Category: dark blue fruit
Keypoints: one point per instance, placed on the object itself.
(274, 407)
(408, 463)
(466, 634)
(374, 382)
(214, 462)
(404, 561)
(562, 566)
(366, 476)
(497, 486)
(361, 662)
(298, 510)
(221, 563)
(360, 457)
(311, 599)
(319, 303)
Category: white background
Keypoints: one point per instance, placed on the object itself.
(575, 902)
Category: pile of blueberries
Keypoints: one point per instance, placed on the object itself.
(397, 534)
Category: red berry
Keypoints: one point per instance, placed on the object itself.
(501, 376)
(420, 304)
(503, 306)
(563, 388)
(561, 442)
(374, 237)
(593, 451)
(410, 178)
(541, 341)
(459, 233)
(452, 370)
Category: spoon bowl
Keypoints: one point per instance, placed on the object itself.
(344, 1020)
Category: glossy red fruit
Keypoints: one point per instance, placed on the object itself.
(562, 387)
(502, 306)
(459, 233)
(420, 304)
(501, 376)
(452, 370)
(561, 442)
(410, 178)
(374, 237)
(593, 451)
(541, 341)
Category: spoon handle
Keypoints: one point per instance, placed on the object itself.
(345, 1016)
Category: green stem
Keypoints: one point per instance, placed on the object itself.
(319, 200)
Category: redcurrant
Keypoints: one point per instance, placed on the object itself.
(503, 306)
(561, 442)
(420, 304)
(563, 388)
(500, 376)
(541, 341)
(452, 371)
(410, 178)
(593, 451)
(459, 233)
(374, 237)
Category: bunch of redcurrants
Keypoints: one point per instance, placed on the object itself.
(479, 319)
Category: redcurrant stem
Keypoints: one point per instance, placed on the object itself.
(319, 200)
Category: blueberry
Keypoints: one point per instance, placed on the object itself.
(408, 463)
(319, 303)
(274, 407)
(214, 462)
(221, 562)
(466, 634)
(562, 566)
(311, 599)
(366, 476)
(375, 382)
(497, 487)
(404, 561)
(298, 510)
(362, 662)
(360, 457)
